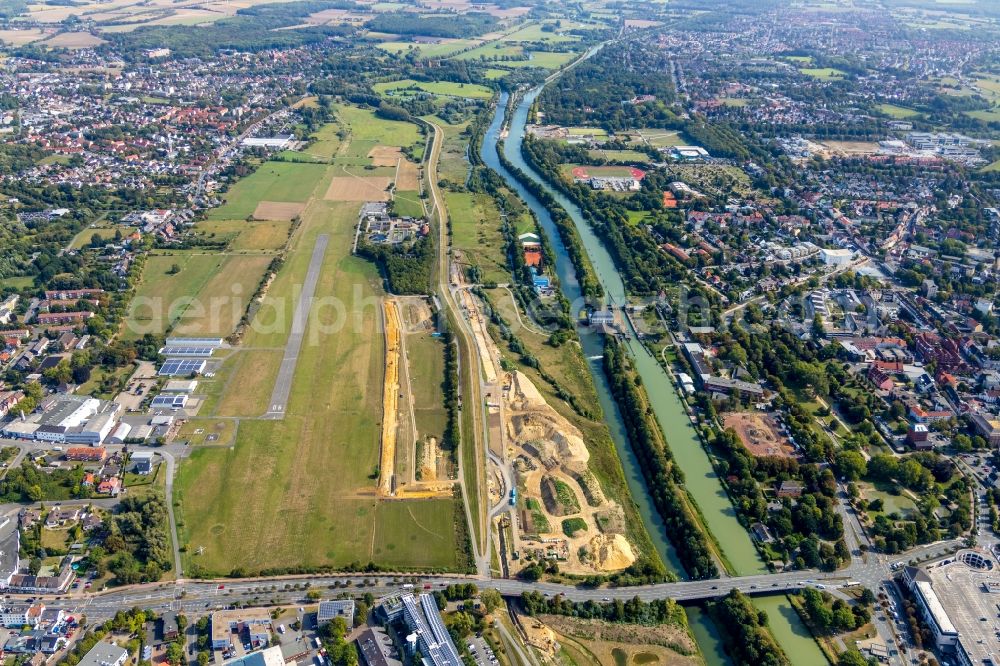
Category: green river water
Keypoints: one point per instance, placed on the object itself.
(701, 481)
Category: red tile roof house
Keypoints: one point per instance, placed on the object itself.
(111, 486)
(64, 317)
(86, 453)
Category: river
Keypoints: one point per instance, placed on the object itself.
(701, 481)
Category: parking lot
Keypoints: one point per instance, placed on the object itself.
(481, 651)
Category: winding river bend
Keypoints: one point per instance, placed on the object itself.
(701, 481)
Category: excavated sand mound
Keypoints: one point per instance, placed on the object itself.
(612, 552)
(543, 426)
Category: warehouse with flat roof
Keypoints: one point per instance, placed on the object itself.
(73, 419)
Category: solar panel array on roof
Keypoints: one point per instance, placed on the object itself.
(188, 351)
(167, 401)
(181, 367)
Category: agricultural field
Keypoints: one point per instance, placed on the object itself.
(368, 130)
(543, 60)
(446, 88)
(491, 51)
(988, 115)
(534, 33)
(281, 182)
(243, 236)
(127, 15)
(21, 37)
(193, 293)
(73, 40)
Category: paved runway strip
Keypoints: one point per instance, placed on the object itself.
(283, 383)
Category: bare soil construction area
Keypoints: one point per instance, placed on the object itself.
(759, 434)
(358, 188)
(565, 514)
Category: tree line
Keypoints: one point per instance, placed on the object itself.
(664, 479)
(745, 631)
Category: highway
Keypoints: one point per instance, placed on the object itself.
(191, 596)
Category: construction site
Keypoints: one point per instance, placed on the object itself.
(760, 434)
(557, 510)
(411, 463)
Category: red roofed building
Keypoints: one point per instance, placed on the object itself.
(64, 317)
(86, 453)
(111, 486)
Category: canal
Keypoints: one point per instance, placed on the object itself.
(701, 481)
(592, 345)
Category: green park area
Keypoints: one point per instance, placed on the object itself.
(447, 88)
(476, 233)
(823, 73)
(897, 112)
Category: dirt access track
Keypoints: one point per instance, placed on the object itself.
(390, 397)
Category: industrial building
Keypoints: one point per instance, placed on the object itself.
(428, 635)
(105, 654)
(169, 401)
(67, 418)
(270, 657)
(182, 367)
(330, 610)
(188, 352)
(272, 142)
(180, 386)
(252, 625)
(195, 342)
(957, 599)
